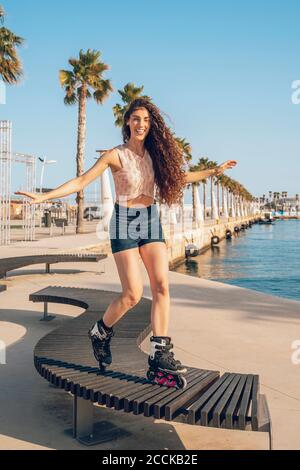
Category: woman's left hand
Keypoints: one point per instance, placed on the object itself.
(225, 166)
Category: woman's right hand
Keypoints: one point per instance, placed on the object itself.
(36, 198)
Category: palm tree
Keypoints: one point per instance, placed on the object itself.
(187, 154)
(203, 164)
(222, 180)
(129, 93)
(194, 187)
(185, 146)
(84, 81)
(211, 164)
(10, 65)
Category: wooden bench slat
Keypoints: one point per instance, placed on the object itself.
(245, 403)
(207, 409)
(101, 378)
(195, 392)
(231, 411)
(255, 399)
(218, 411)
(194, 410)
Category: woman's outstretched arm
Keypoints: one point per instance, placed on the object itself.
(195, 176)
(74, 185)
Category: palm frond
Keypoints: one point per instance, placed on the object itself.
(118, 114)
(103, 90)
(70, 99)
(66, 78)
(10, 70)
(2, 14)
(87, 71)
(88, 94)
(129, 93)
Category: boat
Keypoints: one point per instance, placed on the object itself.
(267, 219)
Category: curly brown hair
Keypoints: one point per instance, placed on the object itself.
(166, 155)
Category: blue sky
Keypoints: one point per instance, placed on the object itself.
(221, 70)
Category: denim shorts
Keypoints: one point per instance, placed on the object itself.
(131, 227)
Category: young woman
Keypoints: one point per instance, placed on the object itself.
(147, 167)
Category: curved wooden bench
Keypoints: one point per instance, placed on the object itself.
(9, 264)
(64, 357)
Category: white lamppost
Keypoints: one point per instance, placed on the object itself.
(44, 163)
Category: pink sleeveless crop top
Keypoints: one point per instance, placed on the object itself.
(136, 177)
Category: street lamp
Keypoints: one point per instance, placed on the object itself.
(44, 163)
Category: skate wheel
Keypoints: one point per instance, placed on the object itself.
(150, 375)
(182, 382)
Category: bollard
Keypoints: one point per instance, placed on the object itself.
(228, 234)
(215, 240)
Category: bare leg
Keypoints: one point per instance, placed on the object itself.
(128, 266)
(155, 259)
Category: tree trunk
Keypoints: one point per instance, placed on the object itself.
(194, 202)
(80, 156)
(182, 215)
(211, 197)
(228, 200)
(218, 196)
(223, 200)
(204, 201)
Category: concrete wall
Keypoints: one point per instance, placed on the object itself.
(200, 236)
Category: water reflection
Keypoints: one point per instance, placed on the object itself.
(264, 258)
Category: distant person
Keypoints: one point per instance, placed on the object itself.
(147, 167)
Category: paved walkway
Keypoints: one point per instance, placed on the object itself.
(213, 326)
(65, 243)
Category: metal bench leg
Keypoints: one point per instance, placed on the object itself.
(265, 424)
(47, 268)
(84, 429)
(83, 417)
(47, 317)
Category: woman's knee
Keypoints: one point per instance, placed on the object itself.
(131, 298)
(161, 287)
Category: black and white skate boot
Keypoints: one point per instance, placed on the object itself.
(164, 369)
(100, 336)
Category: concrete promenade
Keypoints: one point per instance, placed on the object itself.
(213, 325)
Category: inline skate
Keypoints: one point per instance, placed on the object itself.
(100, 336)
(164, 369)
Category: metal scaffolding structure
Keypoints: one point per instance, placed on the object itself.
(7, 158)
(28, 211)
(5, 180)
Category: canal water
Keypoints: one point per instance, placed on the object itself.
(265, 258)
